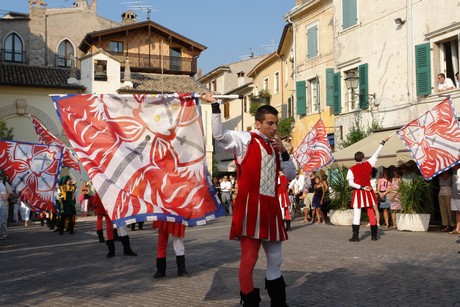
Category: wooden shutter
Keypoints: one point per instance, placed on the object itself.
(337, 94)
(312, 36)
(363, 86)
(423, 69)
(330, 87)
(301, 93)
(349, 13)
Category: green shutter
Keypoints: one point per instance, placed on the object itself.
(336, 94)
(330, 87)
(363, 86)
(423, 69)
(312, 36)
(349, 13)
(301, 93)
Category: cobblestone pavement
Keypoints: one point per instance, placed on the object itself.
(321, 268)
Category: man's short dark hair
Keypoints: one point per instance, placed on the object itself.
(359, 156)
(265, 109)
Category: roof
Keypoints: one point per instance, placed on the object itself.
(36, 76)
(393, 153)
(166, 84)
(176, 37)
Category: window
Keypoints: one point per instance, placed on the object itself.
(313, 95)
(65, 54)
(266, 84)
(116, 47)
(349, 13)
(13, 51)
(312, 42)
(276, 83)
(100, 70)
(175, 59)
(448, 57)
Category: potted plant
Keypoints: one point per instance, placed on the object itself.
(340, 212)
(263, 97)
(416, 204)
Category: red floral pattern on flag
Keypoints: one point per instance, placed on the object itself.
(314, 152)
(433, 139)
(144, 154)
(46, 137)
(33, 170)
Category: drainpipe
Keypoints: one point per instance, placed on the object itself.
(410, 51)
(295, 62)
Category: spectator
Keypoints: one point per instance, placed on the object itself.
(318, 199)
(308, 192)
(444, 84)
(68, 211)
(457, 80)
(444, 197)
(455, 200)
(394, 195)
(4, 195)
(283, 195)
(84, 194)
(384, 202)
(225, 190)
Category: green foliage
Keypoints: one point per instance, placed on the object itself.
(341, 191)
(263, 97)
(415, 196)
(284, 127)
(358, 132)
(5, 132)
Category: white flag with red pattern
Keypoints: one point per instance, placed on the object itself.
(46, 137)
(33, 170)
(434, 139)
(315, 151)
(144, 154)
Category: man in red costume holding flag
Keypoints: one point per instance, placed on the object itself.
(257, 218)
(359, 178)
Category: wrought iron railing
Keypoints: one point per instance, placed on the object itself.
(8, 55)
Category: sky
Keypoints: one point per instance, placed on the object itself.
(230, 30)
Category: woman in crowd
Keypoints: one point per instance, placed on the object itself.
(318, 198)
(394, 195)
(384, 203)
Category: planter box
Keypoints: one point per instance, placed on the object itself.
(341, 217)
(412, 222)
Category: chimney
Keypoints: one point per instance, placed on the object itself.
(128, 18)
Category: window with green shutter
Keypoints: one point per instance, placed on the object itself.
(330, 87)
(301, 93)
(312, 42)
(363, 86)
(423, 69)
(337, 93)
(349, 13)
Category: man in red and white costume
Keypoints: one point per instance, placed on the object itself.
(257, 218)
(359, 178)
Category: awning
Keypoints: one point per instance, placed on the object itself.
(226, 166)
(394, 152)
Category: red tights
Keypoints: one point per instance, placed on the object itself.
(249, 254)
(108, 225)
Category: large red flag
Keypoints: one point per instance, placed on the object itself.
(48, 138)
(33, 170)
(314, 152)
(434, 139)
(144, 154)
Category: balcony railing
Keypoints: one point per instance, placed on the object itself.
(157, 63)
(8, 55)
(64, 61)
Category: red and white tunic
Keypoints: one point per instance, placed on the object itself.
(257, 213)
(359, 175)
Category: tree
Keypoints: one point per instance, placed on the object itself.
(5, 132)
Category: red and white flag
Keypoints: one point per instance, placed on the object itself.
(33, 170)
(314, 152)
(46, 137)
(144, 154)
(434, 139)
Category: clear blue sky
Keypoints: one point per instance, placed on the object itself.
(230, 29)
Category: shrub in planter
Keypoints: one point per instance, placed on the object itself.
(340, 212)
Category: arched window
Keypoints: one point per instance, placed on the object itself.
(65, 54)
(14, 49)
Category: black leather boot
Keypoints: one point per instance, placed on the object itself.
(127, 251)
(277, 291)
(141, 225)
(374, 232)
(133, 226)
(355, 236)
(111, 246)
(252, 299)
(115, 235)
(161, 268)
(100, 234)
(181, 271)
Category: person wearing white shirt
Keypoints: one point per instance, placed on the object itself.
(444, 84)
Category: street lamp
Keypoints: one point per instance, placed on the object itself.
(352, 82)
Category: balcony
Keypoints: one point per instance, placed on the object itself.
(157, 64)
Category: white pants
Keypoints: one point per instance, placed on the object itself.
(179, 247)
(25, 212)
